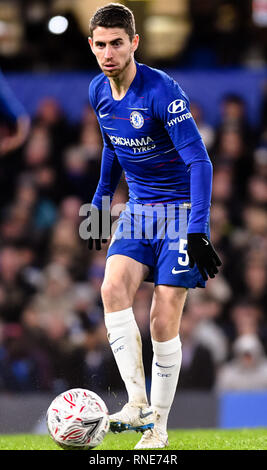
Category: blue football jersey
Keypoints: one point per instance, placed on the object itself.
(150, 134)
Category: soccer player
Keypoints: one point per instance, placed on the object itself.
(149, 133)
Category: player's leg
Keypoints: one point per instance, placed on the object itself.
(166, 312)
(123, 276)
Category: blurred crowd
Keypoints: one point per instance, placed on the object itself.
(52, 335)
(190, 33)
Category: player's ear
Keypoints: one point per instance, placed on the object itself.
(90, 42)
(135, 42)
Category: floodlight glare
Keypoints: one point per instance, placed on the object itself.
(58, 24)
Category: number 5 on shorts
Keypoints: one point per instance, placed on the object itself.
(184, 259)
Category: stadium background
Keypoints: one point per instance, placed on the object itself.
(52, 335)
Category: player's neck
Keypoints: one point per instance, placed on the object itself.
(120, 85)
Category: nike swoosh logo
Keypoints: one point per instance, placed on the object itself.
(116, 340)
(103, 115)
(164, 367)
(174, 271)
(206, 241)
(144, 415)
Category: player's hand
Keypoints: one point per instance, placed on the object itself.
(96, 229)
(201, 252)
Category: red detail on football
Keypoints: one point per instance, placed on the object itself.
(66, 399)
(99, 406)
(75, 437)
(71, 433)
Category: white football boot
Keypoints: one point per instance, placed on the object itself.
(153, 439)
(133, 417)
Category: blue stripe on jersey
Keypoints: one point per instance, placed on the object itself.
(152, 136)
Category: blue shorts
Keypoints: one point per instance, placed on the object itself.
(160, 243)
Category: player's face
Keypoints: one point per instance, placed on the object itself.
(113, 49)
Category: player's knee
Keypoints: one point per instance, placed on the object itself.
(109, 291)
(114, 295)
(165, 322)
(161, 326)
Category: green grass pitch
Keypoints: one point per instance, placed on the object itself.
(241, 439)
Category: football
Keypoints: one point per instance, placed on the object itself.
(77, 419)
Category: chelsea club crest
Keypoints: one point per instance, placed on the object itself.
(136, 119)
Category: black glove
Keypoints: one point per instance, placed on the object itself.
(201, 252)
(100, 220)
